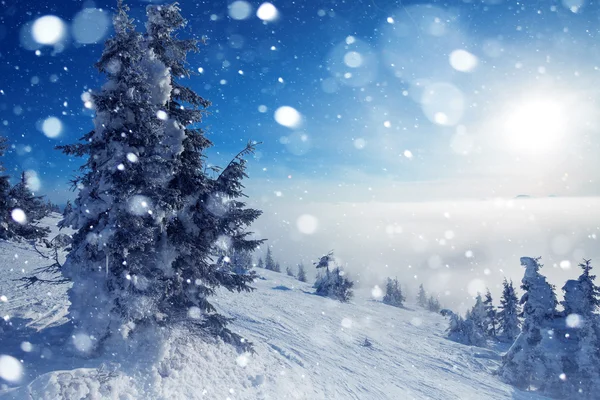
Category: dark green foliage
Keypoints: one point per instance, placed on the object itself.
(393, 293)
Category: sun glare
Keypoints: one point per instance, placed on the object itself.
(535, 125)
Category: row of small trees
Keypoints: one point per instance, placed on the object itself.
(557, 352)
(395, 297)
(483, 321)
(270, 264)
(554, 352)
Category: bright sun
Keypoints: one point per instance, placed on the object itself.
(535, 125)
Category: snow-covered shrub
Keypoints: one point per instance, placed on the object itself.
(333, 283)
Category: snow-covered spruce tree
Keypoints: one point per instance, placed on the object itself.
(527, 364)
(20, 197)
(491, 321)
(260, 263)
(334, 283)
(277, 267)
(148, 217)
(393, 293)
(422, 296)
(269, 261)
(301, 273)
(478, 314)
(581, 362)
(508, 314)
(289, 271)
(34, 206)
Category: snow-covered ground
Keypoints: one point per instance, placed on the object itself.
(307, 347)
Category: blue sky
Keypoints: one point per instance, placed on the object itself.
(353, 129)
(412, 113)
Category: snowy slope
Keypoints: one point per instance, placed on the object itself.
(307, 347)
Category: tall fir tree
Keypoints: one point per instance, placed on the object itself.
(148, 217)
(422, 296)
(491, 322)
(301, 273)
(527, 364)
(508, 314)
(393, 293)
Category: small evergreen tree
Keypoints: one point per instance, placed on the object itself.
(260, 263)
(68, 208)
(301, 273)
(5, 210)
(463, 330)
(433, 304)
(334, 283)
(241, 261)
(478, 314)
(393, 293)
(277, 267)
(490, 321)
(582, 297)
(422, 296)
(289, 271)
(508, 316)
(269, 261)
(23, 198)
(527, 364)
(20, 197)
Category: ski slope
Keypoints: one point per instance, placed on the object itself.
(306, 347)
